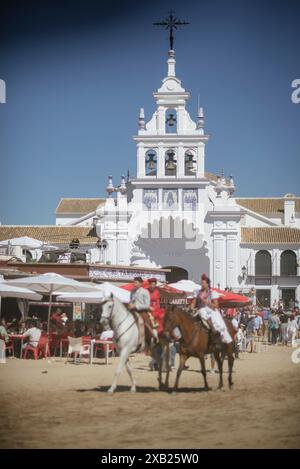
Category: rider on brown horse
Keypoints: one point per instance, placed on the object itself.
(206, 303)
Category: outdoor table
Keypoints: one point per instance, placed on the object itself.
(107, 343)
(13, 338)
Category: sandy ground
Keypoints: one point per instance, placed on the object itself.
(53, 404)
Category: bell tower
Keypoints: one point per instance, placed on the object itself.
(171, 144)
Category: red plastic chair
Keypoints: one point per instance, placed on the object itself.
(42, 349)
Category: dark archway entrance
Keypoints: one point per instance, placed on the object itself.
(263, 297)
(176, 274)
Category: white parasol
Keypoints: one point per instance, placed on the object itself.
(49, 283)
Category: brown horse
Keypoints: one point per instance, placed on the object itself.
(197, 341)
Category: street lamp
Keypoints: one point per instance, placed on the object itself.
(244, 271)
(74, 244)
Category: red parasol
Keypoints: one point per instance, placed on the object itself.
(232, 300)
(163, 287)
(227, 300)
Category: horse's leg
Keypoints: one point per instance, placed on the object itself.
(156, 353)
(163, 363)
(219, 361)
(123, 359)
(230, 364)
(167, 354)
(159, 361)
(129, 371)
(182, 360)
(203, 370)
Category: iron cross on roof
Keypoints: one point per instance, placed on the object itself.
(171, 22)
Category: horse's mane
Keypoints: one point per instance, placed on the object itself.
(117, 301)
(186, 314)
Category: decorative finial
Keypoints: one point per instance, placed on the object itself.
(171, 63)
(171, 23)
(142, 119)
(223, 180)
(231, 185)
(200, 121)
(123, 188)
(110, 188)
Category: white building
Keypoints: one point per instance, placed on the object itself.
(175, 214)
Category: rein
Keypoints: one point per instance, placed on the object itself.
(120, 323)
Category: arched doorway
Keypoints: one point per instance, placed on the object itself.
(176, 274)
(288, 263)
(263, 264)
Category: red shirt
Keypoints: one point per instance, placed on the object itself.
(157, 312)
(154, 299)
(56, 317)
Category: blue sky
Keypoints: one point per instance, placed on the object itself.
(78, 72)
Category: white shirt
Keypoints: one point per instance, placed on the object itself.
(292, 325)
(235, 323)
(34, 335)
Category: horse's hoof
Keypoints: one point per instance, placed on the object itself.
(110, 391)
(207, 388)
(174, 393)
(163, 387)
(133, 389)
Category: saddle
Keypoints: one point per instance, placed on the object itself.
(213, 336)
(141, 329)
(145, 331)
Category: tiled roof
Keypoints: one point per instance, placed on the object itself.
(211, 176)
(79, 205)
(51, 233)
(271, 205)
(272, 235)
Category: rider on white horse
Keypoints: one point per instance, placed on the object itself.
(140, 302)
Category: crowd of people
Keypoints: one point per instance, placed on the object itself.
(276, 325)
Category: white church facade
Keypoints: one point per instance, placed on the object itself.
(174, 214)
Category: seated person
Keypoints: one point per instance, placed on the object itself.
(64, 318)
(22, 327)
(32, 335)
(140, 302)
(3, 332)
(213, 316)
(57, 316)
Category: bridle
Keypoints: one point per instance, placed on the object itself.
(109, 319)
(187, 343)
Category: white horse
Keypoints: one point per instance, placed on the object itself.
(126, 332)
